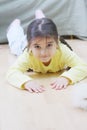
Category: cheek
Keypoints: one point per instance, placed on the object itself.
(35, 53)
(53, 51)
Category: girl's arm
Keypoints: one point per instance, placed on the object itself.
(78, 68)
(16, 74)
(77, 71)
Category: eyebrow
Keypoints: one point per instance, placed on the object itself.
(50, 42)
(35, 44)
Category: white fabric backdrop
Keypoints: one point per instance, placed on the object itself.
(70, 16)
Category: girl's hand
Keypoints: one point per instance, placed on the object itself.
(33, 87)
(60, 83)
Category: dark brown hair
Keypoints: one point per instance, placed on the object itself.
(43, 27)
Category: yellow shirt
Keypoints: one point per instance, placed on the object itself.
(63, 57)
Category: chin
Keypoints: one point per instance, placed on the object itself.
(79, 96)
(45, 60)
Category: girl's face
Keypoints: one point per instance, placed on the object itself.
(43, 49)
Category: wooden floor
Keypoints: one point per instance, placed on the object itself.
(51, 110)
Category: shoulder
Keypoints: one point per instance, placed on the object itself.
(64, 48)
(66, 52)
(24, 56)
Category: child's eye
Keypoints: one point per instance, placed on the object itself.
(49, 45)
(38, 47)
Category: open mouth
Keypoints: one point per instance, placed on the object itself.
(46, 59)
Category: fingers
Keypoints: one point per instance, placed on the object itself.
(58, 86)
(34, 87)
(60, 83)
(36, 90)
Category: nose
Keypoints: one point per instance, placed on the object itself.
(43, 52)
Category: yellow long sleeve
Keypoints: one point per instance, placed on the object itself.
(63, 57)
(78, 69)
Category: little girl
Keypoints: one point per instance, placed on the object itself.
(45, 53)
